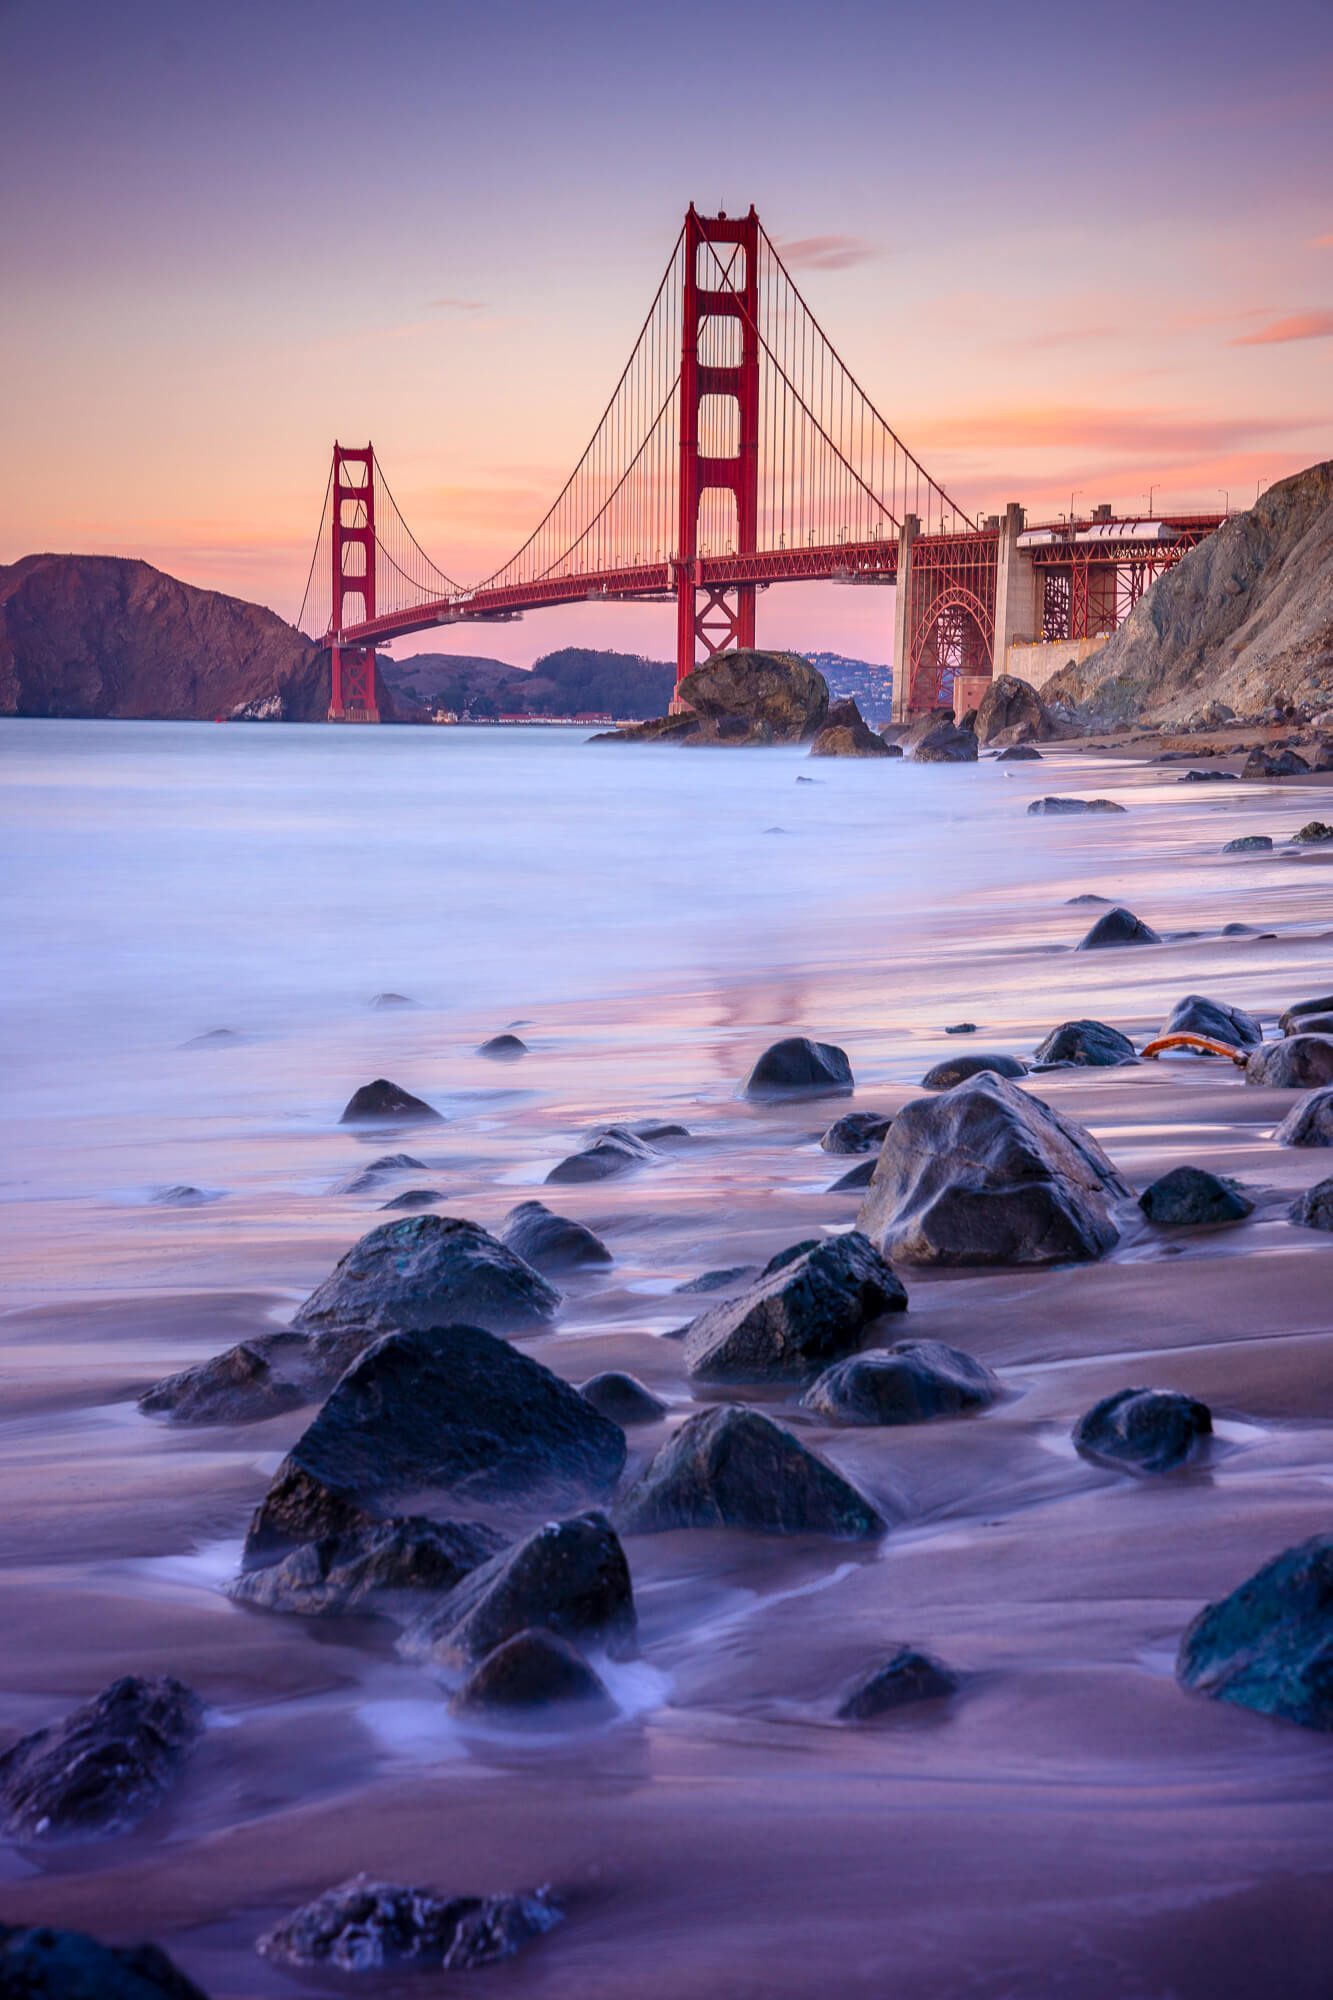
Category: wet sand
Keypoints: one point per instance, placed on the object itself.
(1070, 1823)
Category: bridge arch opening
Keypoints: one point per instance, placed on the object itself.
(953, 642)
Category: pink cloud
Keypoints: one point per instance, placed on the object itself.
(1322, 242)
(1300, 326)
(1092, 428)
(826, 253)
(457, 305)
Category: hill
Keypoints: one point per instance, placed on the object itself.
(573, 681)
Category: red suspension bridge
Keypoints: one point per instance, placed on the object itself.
(738, 451)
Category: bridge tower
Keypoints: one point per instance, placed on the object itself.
(719, 404)
(352, 690)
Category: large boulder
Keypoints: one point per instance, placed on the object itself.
(1309, 1123)
(988, 1174)
(1018, 753)
(907, 1676)
(367, 1926)
(567, 1577)
(909, 1383)
(1314, 1208)
(428, 1271)
(1313, 834)
(446, 1410)
(730, 1468)
(1087, 1044)
(1289, 1021)
(856, 1132)
(783, 699)
(797, 1318)
(1143, 1430)
(957, 1069)
(844, 733)
(798, 1067)
(1118, 926)
(1263, 763)
(528, 1676)
(550, 1242)
(385, 1103)
(1011, 711)
(102, 1768)
(1191, 1197)
(1297, 1062)
(37, 1963)
(623, 1398)
(1250, 843)
(1197, 1015)
(243, 1385)
(385, 1570)
(945, 742)
(1269, 1645)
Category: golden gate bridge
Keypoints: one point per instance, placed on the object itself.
(738, 451)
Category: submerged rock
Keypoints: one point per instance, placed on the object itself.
(1019, 753)
(242, 1385)
(413, 1198)
(366, 1180)
(1313, 833)
(37, 1963)
(449, 1410)
(550, 1242)
(567, 1577)
(617, 1150)
(732, 1468)
(1274, 764)
(387, 1001)
(623, 1398)
(1314, 1209)
(530, 1674)
(729, 1280)
(962, 1028)
(1143, 1430)
(1056, 807)
(503, 1048)
(1197, 1015)
(909, 1383)
(385, 1569)
(385, 1103)
(1250, 843)
(1088, 1044)
(1309, 1123)
(181, 1196)
(858, 1132)
(907, 1676)
(1290, 1020)
(844, 733)
(1297, 1062)
(800, 1067)
(1190, 1197)
(102, 1768)
(988, 1174)
(368, 1926)
(957, 1069)
(428, 1271)
(1207, 778)
(1269, 1645)
(1118, 926)
(797, 1317)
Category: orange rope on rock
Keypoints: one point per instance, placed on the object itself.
(1204, 1044)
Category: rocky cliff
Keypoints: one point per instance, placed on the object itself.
(105, 636)
(1246, 620)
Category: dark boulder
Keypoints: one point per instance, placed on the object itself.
(1143, 1430)
(1309, 1123)
(1297, 1062)
(1291, 1019)
(623, 1398)
(962, 1028)
(797, 1317)
(946, 742)
(907, 1676)
(1269, 1645)
(800, 1067)
(909, 1383)
(988, 1174)
(1313, 833)
(385, 1570)
(448, 1410)
(859, 1176)
(412, 1199)
(857, 1132)
(780, 698)
(243, 1385)
(367, 1926)
(1250, 843)
(102, 1768)
(1196, 1015)
(550, 1242)
(1118, 926)
(892, 749)
(616, 1150)
(1207, 778)
(1274, 764)
(731, 1468)
(1085, 1044)
(1061, 808)
(428, 1271)
(530, 1674)
(1314, 1209)
(1019, 753)
(37, 1963)
(503, 1048)
(1012, 712)
(956, 1069)
(1315, 1024)
(1189, 1197)
(844, 733)
(385, 1103)
(367, 1180)
(567, 1577)
(182, 1196)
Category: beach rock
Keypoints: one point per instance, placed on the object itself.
(386, 1569)
(892, 749)
(1309, 1123)
(1062, 808)
(242, 1385)
(449, 1410)
(102, 1768)
(1190, 1197)
(503, 1048)
(1085, 1044)
(385, 1103)
(530, 1674)
(1012, 712)
(1298, 1011)
(181, 1196)
(428, 1271)
(844, 733)
(1118, 926)
(550, 1242)
(213, 1038)
(797, 1318)
(1279, 764)
(732, 1468)
(1313, 833)
(800, 1067)
(368, 1926)
(946, 742)
(962, 1028)
(1087, 897)
(1196, 1015)
(617, 1150)
(623, 1398)
(1297, 1062)
(988, 1174)
(567, 1577)
(366, 1180)
(729, 1280)
(1269, 1645)
(1019, 753)
(857, 1132)
(37, 1963)
(1315, 1024)
(906, 1676)
(957, 1069)
(412, 1199)
(1207, 778)
(908, 1383)
(1143, 1430)
(859, 1176)
(1250, 843)
(1314, 1209)
(781, 699)
(386, 1002)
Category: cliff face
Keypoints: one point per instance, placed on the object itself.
(105, 636)
(1245, 619)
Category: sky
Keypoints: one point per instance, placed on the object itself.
(1066, 255)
